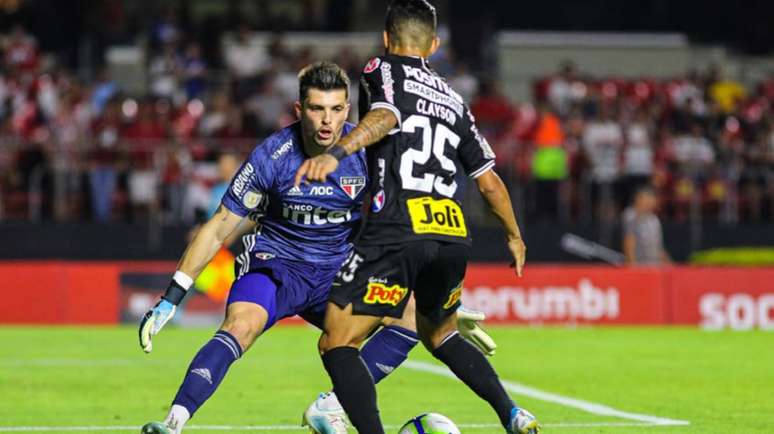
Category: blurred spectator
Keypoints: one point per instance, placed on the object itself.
(244, 59)
(103, 91)
(643, 238)
(144, 137)
(462, 81)
(492, 110)
(694, 151)
(560, 92)
(602, 145)
(194, 72)
(102, 161)
(727, 93)
(164, 71)
(638, 157)
(21, 51)
(549, 163)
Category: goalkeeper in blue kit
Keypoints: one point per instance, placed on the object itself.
(297, 239)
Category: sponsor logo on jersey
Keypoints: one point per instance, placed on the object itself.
(242, 179)
(295, 191)
(377, 202)
(282, 150)
(432, 216)
(454, 296)
(387, 82)
(264, 256)
(431, 94)
(307, 214)
(352, 185)
(372, 65)
(379, 293)
(251, 199)
(321, 190)
(431, 80)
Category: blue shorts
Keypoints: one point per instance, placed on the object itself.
(286, 288)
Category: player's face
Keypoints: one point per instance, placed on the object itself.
(322, 115)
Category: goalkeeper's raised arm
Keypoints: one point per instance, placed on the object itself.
(202, 248)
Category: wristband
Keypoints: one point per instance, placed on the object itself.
(178, 288)
(337, 152)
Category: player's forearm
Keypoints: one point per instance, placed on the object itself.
(374, 126)
(496, 196)
(207, 241)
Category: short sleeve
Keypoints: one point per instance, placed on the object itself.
(628, 221)
(250, 186)
(377, 88)
(474, 151)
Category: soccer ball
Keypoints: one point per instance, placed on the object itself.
(430, 423)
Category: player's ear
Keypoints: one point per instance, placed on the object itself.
(435, 45)
(386, 39)
(297, 107)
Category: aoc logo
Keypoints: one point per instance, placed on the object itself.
(379, 293)
(372, 65)
(352, 185)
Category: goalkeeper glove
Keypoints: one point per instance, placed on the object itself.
(162, 312)
(467, 324)
(153, 321)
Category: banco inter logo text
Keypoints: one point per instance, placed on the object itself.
(314, 215)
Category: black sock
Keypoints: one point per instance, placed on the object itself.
(354, 387)
(470, 366)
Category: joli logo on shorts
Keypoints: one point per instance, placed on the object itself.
(379, 293)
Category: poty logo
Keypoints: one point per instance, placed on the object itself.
(379, 293)
(549, 303)
(736, 311)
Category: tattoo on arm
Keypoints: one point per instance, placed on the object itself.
(372, 128)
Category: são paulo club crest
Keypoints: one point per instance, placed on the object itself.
(377, 203)
(372, 65)
(352, 185)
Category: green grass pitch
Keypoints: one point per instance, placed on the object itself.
(98, 378)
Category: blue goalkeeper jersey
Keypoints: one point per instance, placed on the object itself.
(311, 223)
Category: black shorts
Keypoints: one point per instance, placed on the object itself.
(378, 280)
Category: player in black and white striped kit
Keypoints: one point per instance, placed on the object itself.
(421, 137)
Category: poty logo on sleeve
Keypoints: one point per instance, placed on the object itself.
(371, 65)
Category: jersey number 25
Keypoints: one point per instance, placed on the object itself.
(433, 144)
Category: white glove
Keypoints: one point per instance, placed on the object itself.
(467, 324)
(153, 321)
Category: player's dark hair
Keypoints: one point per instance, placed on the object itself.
(322, 76)
(411, 23)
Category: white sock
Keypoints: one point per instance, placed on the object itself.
(178, 416)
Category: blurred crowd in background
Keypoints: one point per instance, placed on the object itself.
(74, 149)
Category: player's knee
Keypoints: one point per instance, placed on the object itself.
(432, 333)
(244, 328)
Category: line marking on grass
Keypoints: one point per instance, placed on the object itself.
(295, 427)
(587, 406)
